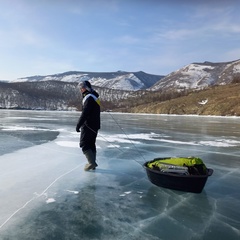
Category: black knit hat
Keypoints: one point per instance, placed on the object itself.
(85, 84)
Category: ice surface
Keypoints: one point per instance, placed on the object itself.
(46, 194)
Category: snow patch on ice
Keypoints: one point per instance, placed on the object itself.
(113, 146)
(67, 144)
(21, 128)
(74, 192)
(120, 138)
(50, 200)
(34, 118)
(125, 193)
(221, 143)
(131, 138)
(178, 142)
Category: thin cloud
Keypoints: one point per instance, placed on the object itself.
(226, 28)
(127, 39)
(178, 34)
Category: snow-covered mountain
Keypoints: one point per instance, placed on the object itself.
(198, 76)
(192, 76)
(60, 91)
(130, 81)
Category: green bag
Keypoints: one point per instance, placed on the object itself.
(195, 165)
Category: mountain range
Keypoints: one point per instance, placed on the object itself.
(120, 80)
(60, 92)
(199, 76)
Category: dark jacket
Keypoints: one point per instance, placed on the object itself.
(90, 116)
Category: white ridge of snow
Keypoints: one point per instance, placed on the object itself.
(127, 81)
(120, 82)
(236, 68)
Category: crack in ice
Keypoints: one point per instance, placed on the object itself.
(38, 195)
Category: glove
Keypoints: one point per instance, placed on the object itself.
(77, 129)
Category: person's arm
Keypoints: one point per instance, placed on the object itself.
(85, 113)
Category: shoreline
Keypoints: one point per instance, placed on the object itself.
(126, 113)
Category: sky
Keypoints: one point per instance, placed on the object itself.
(44, 37)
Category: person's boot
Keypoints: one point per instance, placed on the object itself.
(91, 165)
(95, 156)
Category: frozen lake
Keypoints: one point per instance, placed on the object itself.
(46, 194)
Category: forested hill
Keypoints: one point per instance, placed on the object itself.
(217, 100)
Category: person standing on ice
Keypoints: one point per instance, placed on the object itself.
(89, 123)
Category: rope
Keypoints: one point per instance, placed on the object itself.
(127, 136)
(105, 139)
(115, 145)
